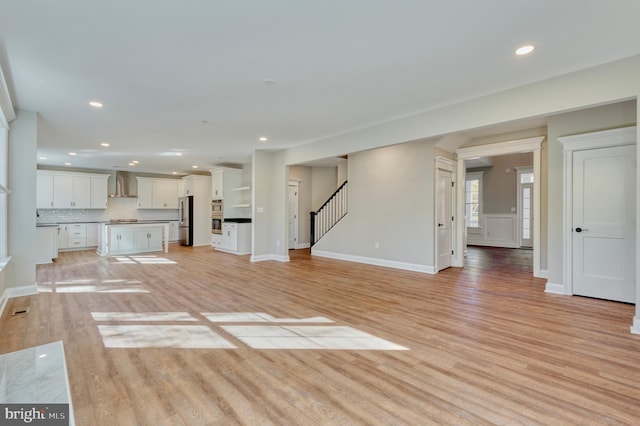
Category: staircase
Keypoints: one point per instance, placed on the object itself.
(330, 213)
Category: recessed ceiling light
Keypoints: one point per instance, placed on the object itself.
(95, 104)
(174, 173)
(132, 164)
(106, 145)
(73, 154)
(194, 167)
(525, 50)
(135, 161)
(67, 164)
(262, 139)
(178, 154)
(43, 158)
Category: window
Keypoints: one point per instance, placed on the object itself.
(473, 199)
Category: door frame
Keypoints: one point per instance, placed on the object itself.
(581, 142)
(446, 164)
(296, 184)
(534, 145)
(520, 171)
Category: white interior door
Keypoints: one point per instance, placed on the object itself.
(293, 216)
(443, 216)
(603, 225)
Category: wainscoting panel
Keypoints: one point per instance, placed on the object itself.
(498, 230)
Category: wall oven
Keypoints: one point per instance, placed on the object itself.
(216, 216)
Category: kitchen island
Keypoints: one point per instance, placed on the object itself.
(133, 237)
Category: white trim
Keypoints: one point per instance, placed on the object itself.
(448, 165)
(12, 292)
(501, 148)
(303, 245)
(554, 288)
(585, 141)
(519, 172)
(510, 147)
(602, 139)
(7, 113)
(373, 261)
(543, 274)
(635, 328)
(264, 257)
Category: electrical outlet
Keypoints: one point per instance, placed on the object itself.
(278, 243)
(377, 245)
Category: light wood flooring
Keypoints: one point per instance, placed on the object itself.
(486, 344)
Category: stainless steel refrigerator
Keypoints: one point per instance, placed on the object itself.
(186, 220)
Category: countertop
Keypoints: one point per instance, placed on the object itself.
(239, 220)
(46, 225)
(107, 222)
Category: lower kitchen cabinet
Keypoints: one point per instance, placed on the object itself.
(132, 238)
(77, 236)
(235, 238)
(46, 244)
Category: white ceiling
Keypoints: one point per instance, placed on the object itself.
(189, 76)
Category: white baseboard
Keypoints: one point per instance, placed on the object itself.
(10, 293)
(377, 262)
(497, 243)
(543, 274)
(231, 251)
(554, 288)
(635, 328)
(263, 257)
(303, 245)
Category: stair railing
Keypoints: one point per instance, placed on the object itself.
(330, 213)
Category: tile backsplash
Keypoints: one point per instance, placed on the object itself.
(119, 208)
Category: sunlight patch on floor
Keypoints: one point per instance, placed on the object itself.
(309, 337)
(256, 317)
(145, 260)
(142, 316)
(162, 336)
(92, 286)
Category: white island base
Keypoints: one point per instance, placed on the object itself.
(129, 238)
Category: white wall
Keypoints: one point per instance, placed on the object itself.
(324, 181)
(390, 202)
(269, 203)
(583, 121)
(22, 200)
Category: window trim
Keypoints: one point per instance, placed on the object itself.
(470, 176)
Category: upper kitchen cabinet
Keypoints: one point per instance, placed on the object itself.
(223, 180)
(155, 193)
(70, 190)
(217, 179)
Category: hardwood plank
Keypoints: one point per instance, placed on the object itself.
(486, 344)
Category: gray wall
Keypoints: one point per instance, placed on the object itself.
(391, 194)
(21, 234)
(324, 183)
(500, 183)
(583, 121)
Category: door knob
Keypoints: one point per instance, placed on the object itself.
(441, 224)
(581, 229)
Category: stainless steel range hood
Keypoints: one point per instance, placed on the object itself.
(122, 186)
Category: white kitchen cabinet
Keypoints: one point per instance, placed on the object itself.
(92, 234)
(235, 238)
(99, 192)
(133, 238)
(44, 191)
(71, 190)
(217, 181)
(174, 231)
(46, 244)
(62, 237)
(157, 193)
(149, 240)
(123, 240)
